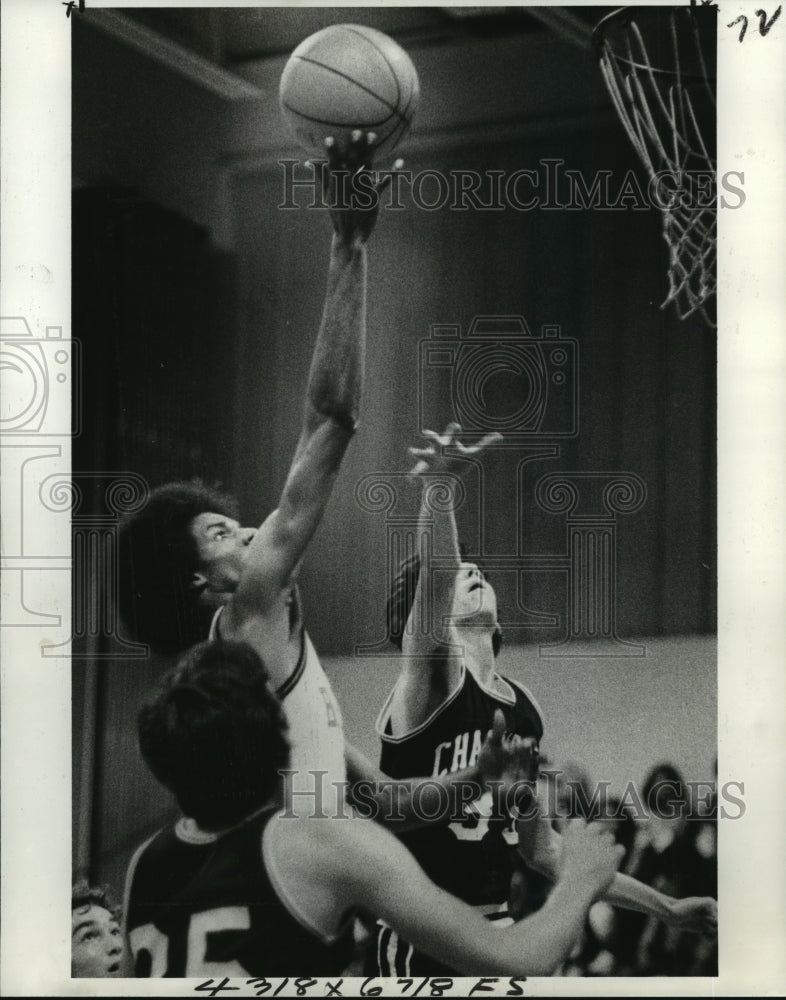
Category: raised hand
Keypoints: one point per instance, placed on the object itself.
(509, 761)
(492, 756)
(590, 858)
(350, 187)
(433, 459)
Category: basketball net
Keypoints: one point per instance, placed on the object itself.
(661, 102)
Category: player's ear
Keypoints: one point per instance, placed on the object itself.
(198, 580)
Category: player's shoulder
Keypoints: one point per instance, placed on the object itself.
(268, 629)
(334, 847)
(522, 691)
(439, 704)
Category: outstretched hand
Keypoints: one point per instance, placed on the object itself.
(433, 458)
(350, 187)
(696, 914)
(506, 757)
(589, 858)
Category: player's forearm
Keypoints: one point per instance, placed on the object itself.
(438, 494)
(415, 802)
(539, 943)
(541, 847)
(336, 378)
(630, 894)
(440, 526)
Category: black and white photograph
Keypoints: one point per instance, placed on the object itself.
(392, 439)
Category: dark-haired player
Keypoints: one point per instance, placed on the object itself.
(241, 887)
(189, 569)
(96, 940)
(445, 622)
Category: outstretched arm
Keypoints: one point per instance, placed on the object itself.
(332, 397)
(540, 846)
(439, 474)
(376, 873)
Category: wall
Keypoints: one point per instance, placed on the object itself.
(614, 717)
(646, 383)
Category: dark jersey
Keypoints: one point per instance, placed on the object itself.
(472, 858)
(201, 904)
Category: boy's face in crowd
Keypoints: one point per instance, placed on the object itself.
(96, 943)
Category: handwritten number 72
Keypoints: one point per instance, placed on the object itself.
(764, 24)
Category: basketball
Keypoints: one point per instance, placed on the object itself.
(348, 77)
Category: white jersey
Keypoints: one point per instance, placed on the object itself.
(316, 732)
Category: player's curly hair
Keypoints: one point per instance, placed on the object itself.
(158, 557)
(401, 598)
(83, 895)
(215, 735)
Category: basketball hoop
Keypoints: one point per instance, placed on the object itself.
(659, 67)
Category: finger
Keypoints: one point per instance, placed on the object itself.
(356, 150)
(432, 436)
(498, 726)
(419, 469)
(488, 440)
(333, 152)
(451, 431)
(421, 452)
(321, 172)
(388, 176)
(484, 443)
(366, 148)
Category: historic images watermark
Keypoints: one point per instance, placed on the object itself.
(550, 797)
(547, 186)
(42, 411)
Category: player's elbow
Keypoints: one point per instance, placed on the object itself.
(326, 407)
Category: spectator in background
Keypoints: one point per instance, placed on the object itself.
(96, 939)
(665, 856)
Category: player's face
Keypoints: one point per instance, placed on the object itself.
(473, 595)
(222, 546)
(96, 943)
